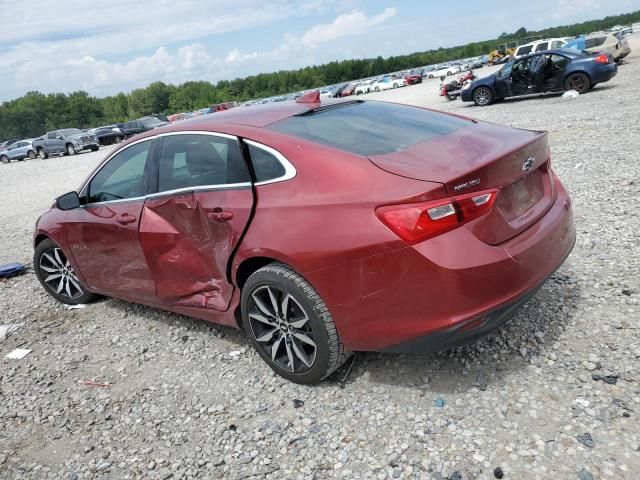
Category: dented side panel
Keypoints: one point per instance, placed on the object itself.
(188, 245)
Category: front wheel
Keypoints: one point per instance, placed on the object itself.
(71, 150)
(95, 149)
(290, 326)
(483, 96)
(56, 275)
(4, 159)
(578, 82)
(42, 153)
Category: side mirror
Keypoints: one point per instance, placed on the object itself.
(68, 201)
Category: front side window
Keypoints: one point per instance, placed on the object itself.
(525, 50)
(594, 42)
(542, 46)
(195, 160)
(123, 176)
(51, 135)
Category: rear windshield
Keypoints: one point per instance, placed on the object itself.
(370, 128)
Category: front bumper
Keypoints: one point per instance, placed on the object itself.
(395, 301)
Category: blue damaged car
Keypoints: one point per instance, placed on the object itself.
(543, 72)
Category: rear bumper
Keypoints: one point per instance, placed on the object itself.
(420, 298)
(604, 74)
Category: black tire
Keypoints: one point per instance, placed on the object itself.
(282, 332)
(117, 140)
(95, 149)
(4, 159)
(42, 153)
(451, 97)
(377, 89)
(48, 260)
(70, 149)
(578, 82)
(31, 154)
(483, 96)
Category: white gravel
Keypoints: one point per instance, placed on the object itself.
(191, 400)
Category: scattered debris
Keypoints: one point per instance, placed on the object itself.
(93, 383)
(585, 475)
(76, 307)
(570, 94)
(235, 353)
(18, 353)
(586, 440)
(456, 476)
(498, 473)
(481, 381)
(610, 379)
(9, 270)
(439, 402)
(6, 330)
(298, 403)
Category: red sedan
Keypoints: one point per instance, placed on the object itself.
(315, 230)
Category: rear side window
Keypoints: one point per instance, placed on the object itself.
(542, 46)
(265, 164)
(370, 128)
(524, 50)
(200, 160)
(594, 42)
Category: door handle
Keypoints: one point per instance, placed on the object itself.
(125, 218)
(221, 216)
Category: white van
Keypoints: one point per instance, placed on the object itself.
(539, 46)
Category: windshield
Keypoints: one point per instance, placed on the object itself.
(355, 127)
(506, 70)
(149, 122)
(69, 131)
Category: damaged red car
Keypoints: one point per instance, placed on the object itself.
(316, 231)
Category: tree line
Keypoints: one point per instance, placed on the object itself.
(36, 113)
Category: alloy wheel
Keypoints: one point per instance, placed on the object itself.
(482, 96)
(577, 83)
(58, 274)
(42, 154)
(4, 159)
(32, 154)
(282, 329)
(71, 150)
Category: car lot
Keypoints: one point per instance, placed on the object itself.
(193, 400)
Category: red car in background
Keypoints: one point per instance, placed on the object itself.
(316, 231)
(413, 78)
(349, 90)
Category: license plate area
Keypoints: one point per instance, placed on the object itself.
(517, 198)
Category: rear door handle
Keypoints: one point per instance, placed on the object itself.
(222, 216)
(125, 218)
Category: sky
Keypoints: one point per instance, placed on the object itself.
(68, 45)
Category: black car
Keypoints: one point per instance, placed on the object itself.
(108, 134)
(542, 72)
(143, 124)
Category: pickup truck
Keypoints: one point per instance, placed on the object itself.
(67, 141)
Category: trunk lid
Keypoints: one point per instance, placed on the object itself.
(480, 157)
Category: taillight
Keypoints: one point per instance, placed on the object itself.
(603, 58)
(419, 221)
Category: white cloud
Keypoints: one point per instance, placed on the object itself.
(355, 22)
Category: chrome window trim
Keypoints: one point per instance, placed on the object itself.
(289, 169)
(223, 186)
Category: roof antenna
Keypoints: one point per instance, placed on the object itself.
(311, 97)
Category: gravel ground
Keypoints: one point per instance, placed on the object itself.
(554, 394)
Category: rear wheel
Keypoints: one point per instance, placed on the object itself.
(56, 275)
(483, 96)
(578, 82)
(290, 326)
(95, 149)
(4, 159)
(31, 154)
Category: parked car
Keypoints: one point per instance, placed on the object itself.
(615, 44)
(6, 144)
(18, 151)
(364, 87)
(107, 135)
(349, 90)
(387, 83)
(455, 222)
(539, 46)
(413, 77)
(140, 125)
(444, 71)
(67, 141)
(550, 71)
